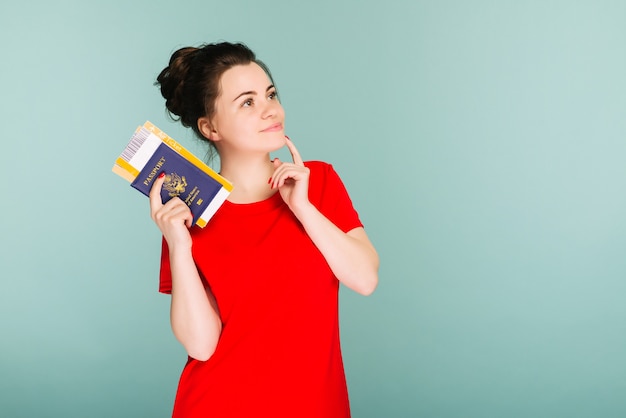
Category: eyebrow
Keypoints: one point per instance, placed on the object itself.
(271, 86)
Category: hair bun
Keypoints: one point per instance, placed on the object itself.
(173, 79)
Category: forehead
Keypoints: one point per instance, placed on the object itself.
(242, 78)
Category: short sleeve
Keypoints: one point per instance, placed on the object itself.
(165, 275)
(328, 193)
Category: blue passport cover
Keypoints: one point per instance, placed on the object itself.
(182, 179)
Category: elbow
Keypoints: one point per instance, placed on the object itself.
(199, 356)
(201, 352)
(199, 346)
(367, 288)
(368, 284)
(370, 280)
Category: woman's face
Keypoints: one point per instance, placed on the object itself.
(248, 116)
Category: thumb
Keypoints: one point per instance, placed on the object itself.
(276, 162)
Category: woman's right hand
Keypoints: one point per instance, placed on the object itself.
(173, 218)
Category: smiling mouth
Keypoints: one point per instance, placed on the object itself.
(274, 128)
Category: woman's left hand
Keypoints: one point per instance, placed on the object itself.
(292, 179)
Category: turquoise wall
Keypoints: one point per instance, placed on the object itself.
(483, 143)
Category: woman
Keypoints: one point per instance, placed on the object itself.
(255, 292)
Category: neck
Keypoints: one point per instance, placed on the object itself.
(249, 175)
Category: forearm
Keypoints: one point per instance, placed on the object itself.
(194, 316)
(351, 256)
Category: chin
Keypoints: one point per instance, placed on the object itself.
(277, 142)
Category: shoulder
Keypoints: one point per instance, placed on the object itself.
(317, 165)
(323, 177)
(320, 169)
(328, 193)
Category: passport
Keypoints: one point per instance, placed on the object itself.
(151, 152)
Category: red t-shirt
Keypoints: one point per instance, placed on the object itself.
(279, 353)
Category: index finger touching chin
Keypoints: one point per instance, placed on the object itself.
(297, 159)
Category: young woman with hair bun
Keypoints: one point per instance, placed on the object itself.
(254, 294)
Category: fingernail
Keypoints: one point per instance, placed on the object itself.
(269, 181)
(162, 174)
(288, 138)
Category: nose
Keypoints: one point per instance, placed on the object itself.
(271, 109)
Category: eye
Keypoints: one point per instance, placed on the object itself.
(273, 95)
(247, 103)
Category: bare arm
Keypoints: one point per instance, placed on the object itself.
(351, 256)
(194, 315)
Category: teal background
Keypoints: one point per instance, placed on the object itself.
(483, 143)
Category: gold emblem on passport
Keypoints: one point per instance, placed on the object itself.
(174, 184)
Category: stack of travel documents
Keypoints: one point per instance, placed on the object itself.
(151, 152)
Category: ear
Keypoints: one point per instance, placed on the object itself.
(207, 130)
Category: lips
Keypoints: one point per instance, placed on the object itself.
(274, 128)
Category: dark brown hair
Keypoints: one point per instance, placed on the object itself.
(190, 84)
